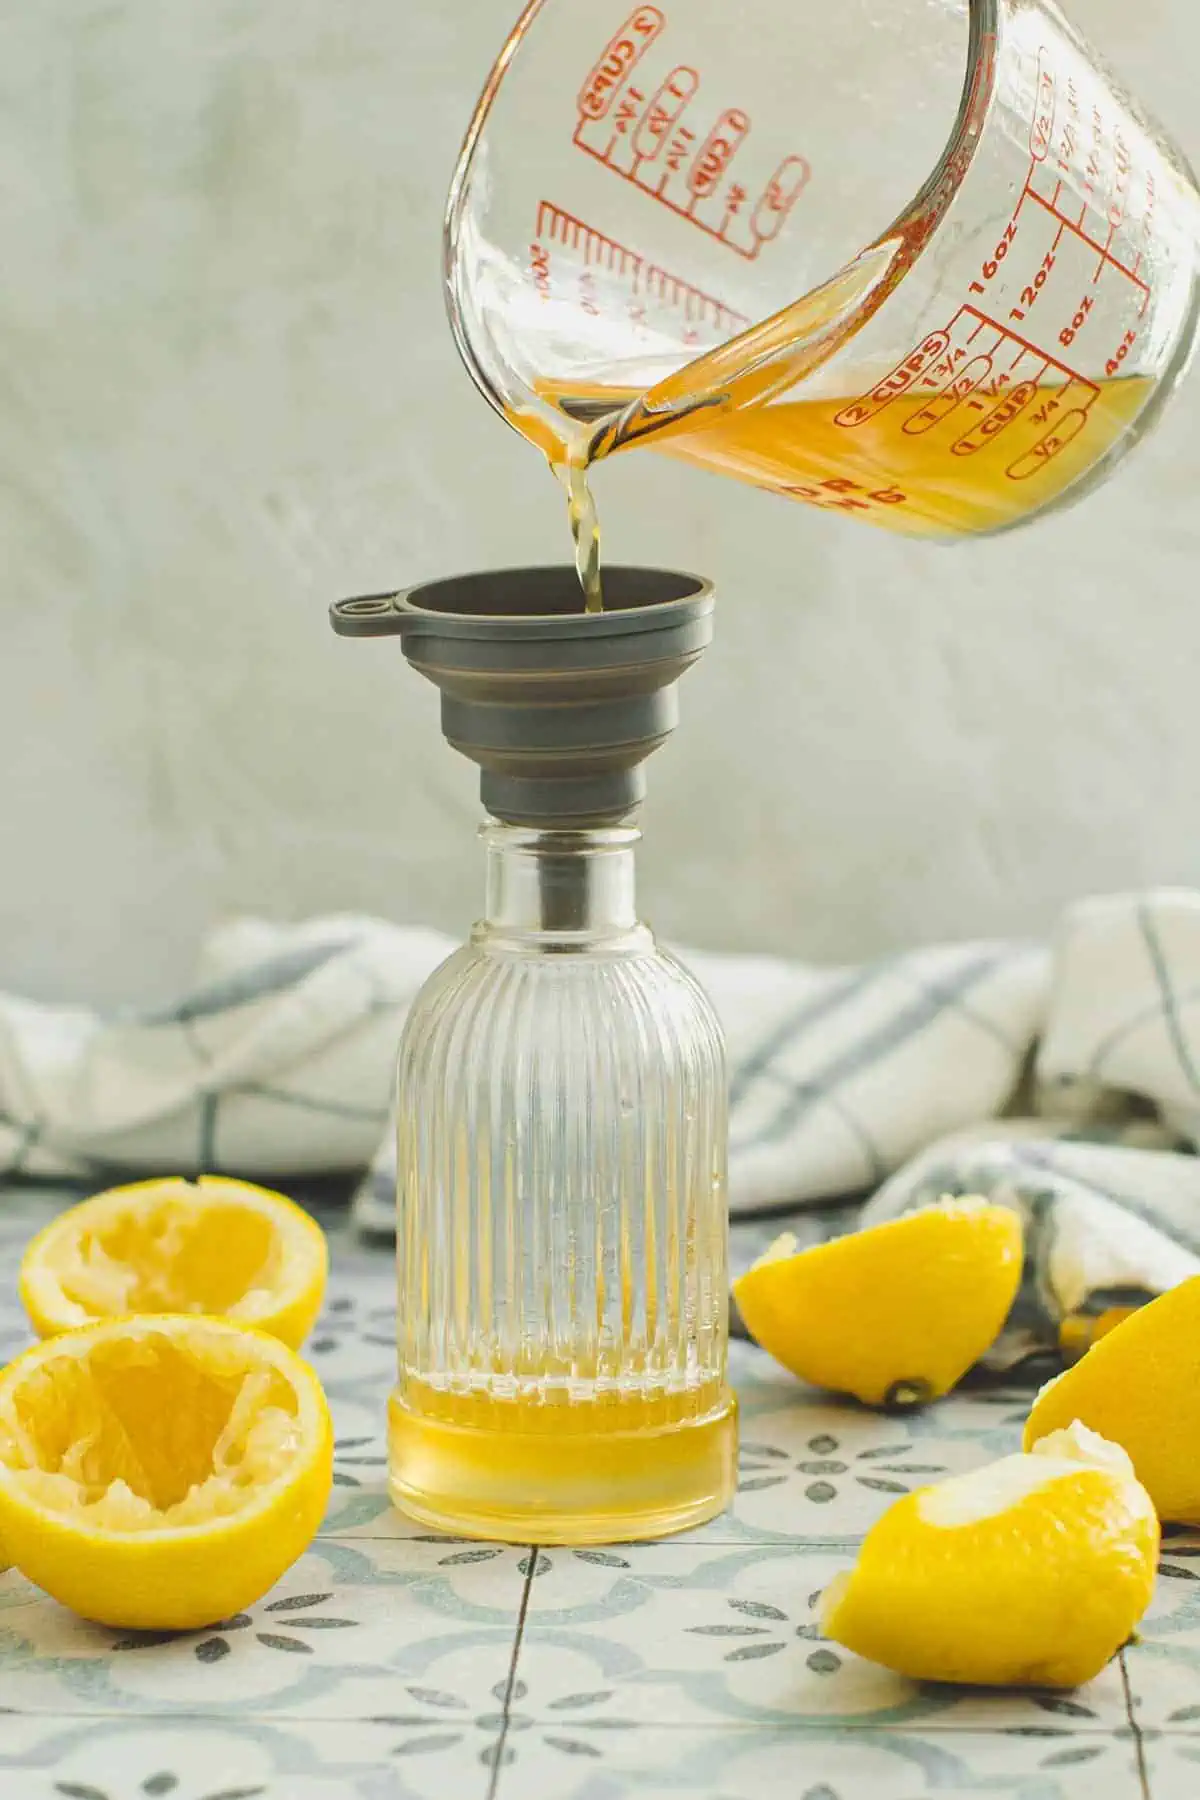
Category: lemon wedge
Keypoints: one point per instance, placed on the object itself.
(1031, 1572)
(161, 1472)
(894, 1314)
(213, 1246)
(1139, 1385)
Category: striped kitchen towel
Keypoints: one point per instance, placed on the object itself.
(1063, 1081)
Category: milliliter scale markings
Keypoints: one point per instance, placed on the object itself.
(648, 283)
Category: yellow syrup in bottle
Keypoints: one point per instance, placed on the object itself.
(553, 1469)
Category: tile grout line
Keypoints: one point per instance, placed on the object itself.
(801, 1727)
(1139, 1742)
(510, 1684)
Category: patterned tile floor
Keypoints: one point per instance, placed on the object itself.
(393, 1665)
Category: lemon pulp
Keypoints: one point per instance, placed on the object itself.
(148, 1434)
(215, 1247)
(161, 1472)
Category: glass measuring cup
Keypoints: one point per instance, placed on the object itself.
(926, 264)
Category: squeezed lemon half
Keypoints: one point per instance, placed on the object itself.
(161, 1472)
(894, 1314)
(1031, 1572)
(216, 1247)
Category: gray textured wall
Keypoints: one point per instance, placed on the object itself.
(227, 394)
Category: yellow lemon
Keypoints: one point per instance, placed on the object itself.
(1079, 1331)
(1139, 1385)
(161, 1472)
(895, 1314)
(1030, 1572)
(217, 1247)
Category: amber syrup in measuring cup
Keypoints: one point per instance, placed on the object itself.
(1038, 338)
(878, 456)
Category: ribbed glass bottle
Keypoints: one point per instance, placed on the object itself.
(561, 1217)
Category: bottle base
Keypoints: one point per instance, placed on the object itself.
(589, 1486)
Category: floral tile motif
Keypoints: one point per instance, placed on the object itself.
(814, 1466)
(353, 1344)
(693, 1633)
(1164, 1664)
(498, 1737)
(440, 1747)
(147, 1759)
(359, 1504)
(570, 1761)
(382, 1667)
(812, 1469)
(333, 1640)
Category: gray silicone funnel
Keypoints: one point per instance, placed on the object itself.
(559, 707)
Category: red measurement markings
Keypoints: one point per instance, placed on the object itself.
(1103, 251)
(977, 385)
(1003, 413)
(663, 113)
(645, 282)
(1043, 109)
(717, 152)
(956, 389)
(1113, 365)
(1068, 334)
(1119, 195)
(1075, 395)
(779, 196)
(1031, 290)
(1122, 172)
(539, 269)
(983, 322)
(1148, 212)
(1032, 461)
(642, 136)
(768, 211)
(897, 382)
(843, 494)
(623, 50)
(680, 148)
(564, 228)
(1067, 146)
(1093, 163)
(991, 264)
(1093, 169)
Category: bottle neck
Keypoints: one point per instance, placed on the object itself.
(573, 888)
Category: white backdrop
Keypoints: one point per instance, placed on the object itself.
(228, 395)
